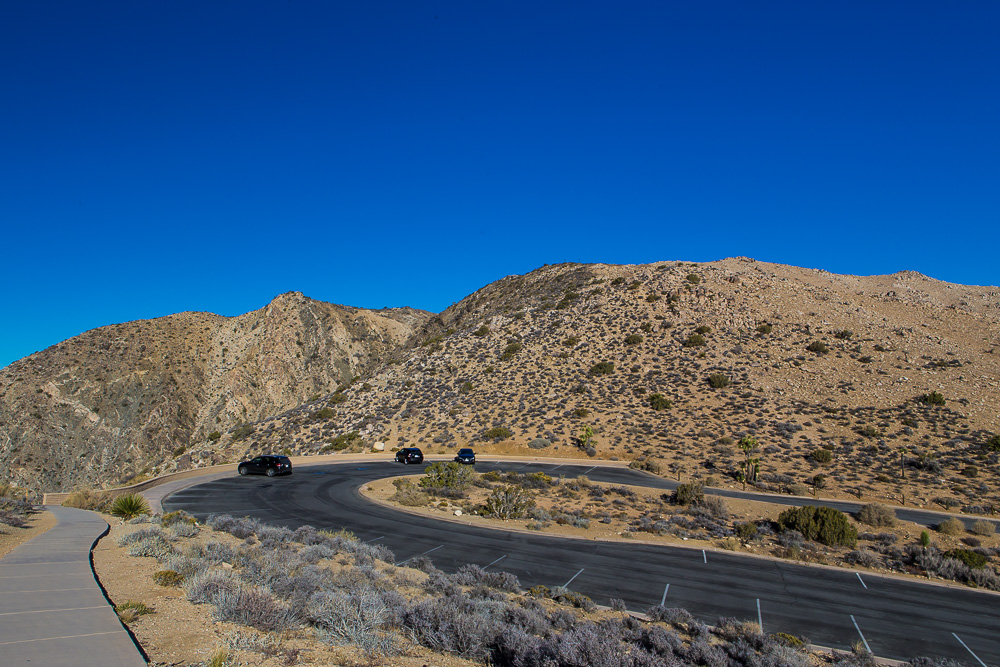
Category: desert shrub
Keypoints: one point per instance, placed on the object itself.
(933, 398)
(151, 542)
(993, 444)
(130, 610)
(409, 494)
(539, 443)
(129, 505)
(501, 432)
(358, 618)
(602, 368)
(248, 605)
(823, 524)
(745, 531)
(875, 514)
(473, 575)
(970, 558)
(571, 341)
(819, 347)
(239, 528)
(513, 347)
(970, 471)
(693, 278)
(694, 340)
(633, 339)
(447, 475)
(952, 527)
(821, 455)
(509, 502)
(214, 435)
(659, 402)
(864, 557)
(94, 500)
(323, 413)
(686, 494)
(764, 328)
(844, 334)
(242, 431)
(703, 329)
(168, 578)
(982, 527)
(180, 516)
(718, 380)
(482, 331)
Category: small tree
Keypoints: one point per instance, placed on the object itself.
(819, 347)
(447, 475)
(659, 402)
(694, 340)
(586, 436)
(823, 524)
(751, 464)
(718, 380)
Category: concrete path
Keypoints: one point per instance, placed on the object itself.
(52, 610)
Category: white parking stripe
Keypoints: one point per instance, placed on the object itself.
(419, 555)
(496, 561)
(663, 600)
(566, 585)
(861, 580)
(968, 649)
(760, 621)
(867, 647)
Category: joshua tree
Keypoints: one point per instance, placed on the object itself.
(902, 452)
(751, 464)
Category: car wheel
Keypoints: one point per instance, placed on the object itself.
(271, 472)
(242, 470)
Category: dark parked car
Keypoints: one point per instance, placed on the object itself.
(410, 455)
(266, 465)
(466, 455)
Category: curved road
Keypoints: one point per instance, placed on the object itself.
(835, 607)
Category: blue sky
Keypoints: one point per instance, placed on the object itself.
(157, 157)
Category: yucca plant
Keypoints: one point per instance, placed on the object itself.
(129, 505)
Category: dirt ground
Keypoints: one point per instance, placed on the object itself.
(11, 538)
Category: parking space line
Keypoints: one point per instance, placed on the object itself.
(496, 561)
(861, 580)
(663, 600)
(865, 641)
(418, 555)
(968, 649)
(588, 470)
(376, 539)
(558, 466)
(566, 585)
(760, 620)
(704, 557)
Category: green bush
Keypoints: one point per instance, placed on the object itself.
(602, 368)
(447, 475)
(409, 494)
(764, 328)
(167, 578)
(129, 506)
(718, 380)
(703, 329)
(933, 398)
(178, 451)
(482, 331)
(819, 347)
(652, 298)
(973, 559)
(94, 500)
(618, 281)
(745, 531)
(821, 455)
(694, 340)
(953, 527)
(687, 494)
(633, 339)
(214, 435)
(823, 524)
(242, 431)
(970, 471)
(581, 412)
(501, 432)
(693, 278)
(465, 388)
(993, 444)
(875, 514)
(339, 397)
(513, 347)
(659, 402)
(844, 334)
(571, 341)
(324, 413)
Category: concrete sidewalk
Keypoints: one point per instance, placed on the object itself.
(52, 610)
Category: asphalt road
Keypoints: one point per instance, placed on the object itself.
(898, 618)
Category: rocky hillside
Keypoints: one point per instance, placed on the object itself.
(896, 378)
(115, 401)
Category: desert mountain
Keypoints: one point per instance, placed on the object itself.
(894, 377)
(110, 403)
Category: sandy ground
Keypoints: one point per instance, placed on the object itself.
(11, 537)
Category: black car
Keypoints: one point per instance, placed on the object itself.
(410, 455)
(466, 455)
(266, 465)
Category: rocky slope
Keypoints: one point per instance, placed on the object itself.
(104, 406)
(814, 361)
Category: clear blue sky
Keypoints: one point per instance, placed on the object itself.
(157, 157)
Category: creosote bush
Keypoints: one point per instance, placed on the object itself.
(953, 527)
(501, 432)
(817, 346)
(982, 527)
(633, 339)
(875, 514)
(449, 475)
(694, 340)
(659, 402)
(718, 380)
(764, 328)
(933, 398)
(823, 524)
(602, 368)
(821, 455)
(687, 494)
